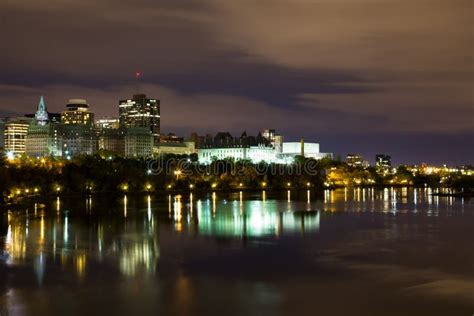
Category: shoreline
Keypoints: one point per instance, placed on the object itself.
(317, 190)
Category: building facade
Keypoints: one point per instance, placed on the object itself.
(77, 113)
(44, 136)
(138, 142)
(383, 161)
(111, 140)
(177, 148)
(78, 129)
(276, 140)
(107, 123)
(44, 140)
(15, 132)
(141, 112)
(356, 160)
(255, 149)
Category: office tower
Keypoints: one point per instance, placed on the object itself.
(15, 132)
(141, 112)
(78, 129)
(77, 113)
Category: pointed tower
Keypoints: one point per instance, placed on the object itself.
(41, 115)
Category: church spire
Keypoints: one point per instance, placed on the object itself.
(41, 115)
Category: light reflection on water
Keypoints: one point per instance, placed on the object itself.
(127, 236)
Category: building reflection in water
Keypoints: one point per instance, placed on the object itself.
(56, 234)
(247, 218)
(43, 240)
(137, 255)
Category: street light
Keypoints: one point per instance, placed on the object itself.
(191, 186)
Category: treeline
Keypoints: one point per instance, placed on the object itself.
(343, 175)
(95, 174)
(102, 174)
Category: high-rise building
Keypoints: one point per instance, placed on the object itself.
(44, 136)
(15, 132)
(141, 112)
(78, 129)
(77, 113)
(383, 161)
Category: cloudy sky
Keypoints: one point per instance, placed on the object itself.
(362, 76)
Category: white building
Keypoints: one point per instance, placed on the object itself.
(253, 153)
(263, 153)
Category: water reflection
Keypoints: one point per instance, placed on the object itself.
(247, 218)
(126, 235)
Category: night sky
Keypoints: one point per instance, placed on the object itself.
(361, 76)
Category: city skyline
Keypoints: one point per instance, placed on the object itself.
(405, 88)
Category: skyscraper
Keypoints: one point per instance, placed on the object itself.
(141, 112)
(78, 129)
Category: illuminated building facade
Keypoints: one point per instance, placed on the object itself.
(141, 112)
(15, 132)
(44, 136)
(356, 160)
(78, 129)
(44, 140)
(255, 149)
(110, 137)
(2, 130)
(276, 140)
(107, 123)
(77, 113)
(177, 148)
(383, 161)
